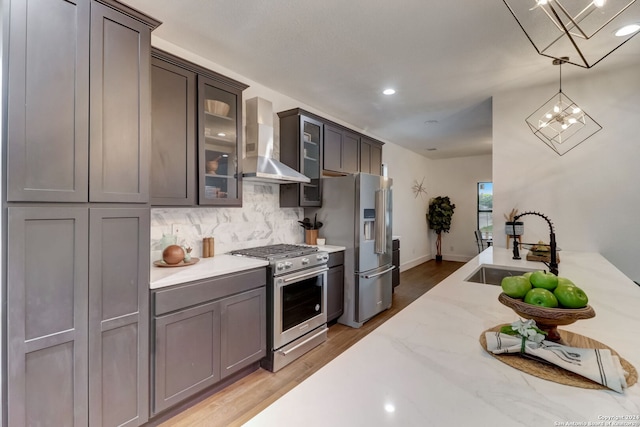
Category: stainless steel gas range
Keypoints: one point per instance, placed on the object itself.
(296, 300)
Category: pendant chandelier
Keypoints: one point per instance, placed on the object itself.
(586, 30)
(561, 123)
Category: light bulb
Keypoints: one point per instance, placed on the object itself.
(389, 91)
(544, 124)
(564, 126)
(572, 120)
(548, 115)
(556, 109)
(599, 3)
(576, 110)
(541, 2)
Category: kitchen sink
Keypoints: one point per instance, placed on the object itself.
(493, 275)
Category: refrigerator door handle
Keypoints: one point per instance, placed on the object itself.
(381, 220)
(370, 276)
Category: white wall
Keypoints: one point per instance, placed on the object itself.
(409, 221)
(591, 192)
(458, 179)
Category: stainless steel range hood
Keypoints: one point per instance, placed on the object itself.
(259, 164)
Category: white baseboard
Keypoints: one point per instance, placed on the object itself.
(415, 262)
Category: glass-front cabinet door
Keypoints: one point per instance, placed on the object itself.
(311, 142)
(220, 115)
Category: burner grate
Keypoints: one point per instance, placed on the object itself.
(282, 250)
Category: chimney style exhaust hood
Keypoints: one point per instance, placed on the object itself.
(259, 164)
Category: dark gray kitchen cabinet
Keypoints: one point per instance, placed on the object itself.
(196, 134)
(370, 156)
(186, 360)
(301, 141)
(205, 331)
(47, 335)
(395, 259)
(118, 316)
(219, 143)
(78, 102)
(78, 318)
(340, 152)
(173, 142)
(243, 325)
(120, 106)
(48, 101)
(335, 285)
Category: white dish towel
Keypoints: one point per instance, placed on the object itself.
(598, 365)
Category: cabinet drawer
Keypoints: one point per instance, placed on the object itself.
(182, 296)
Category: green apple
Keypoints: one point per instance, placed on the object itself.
(515, 286)
(528, 275)
(542, 279)
(564, 281)
(542, 297)
(571, 296)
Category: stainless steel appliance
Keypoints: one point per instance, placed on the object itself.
(296, 300)
(357, 213)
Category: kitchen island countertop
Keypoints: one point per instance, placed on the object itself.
(426, 367)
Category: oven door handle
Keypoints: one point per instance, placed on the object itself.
(295, 347)
(305, 275)
(371, 276)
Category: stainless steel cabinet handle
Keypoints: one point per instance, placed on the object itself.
(295, 347)
(370, 276)
(302, 276)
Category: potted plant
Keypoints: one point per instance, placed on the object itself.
(439, 219)
(512, 225)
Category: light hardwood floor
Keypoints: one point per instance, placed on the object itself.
(239, 402)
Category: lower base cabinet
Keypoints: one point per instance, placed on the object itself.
(205, 331)
(395, 256)
(335, 286)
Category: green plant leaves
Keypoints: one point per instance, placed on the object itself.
(440, 213)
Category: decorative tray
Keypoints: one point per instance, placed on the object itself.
(161, 263)
(547, 371)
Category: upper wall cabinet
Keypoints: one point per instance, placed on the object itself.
(196, 135)
(370, 156)
(66, 59)
(301, 139)
(219, 143)
(340, 150)
(173, 153)
(48, 101)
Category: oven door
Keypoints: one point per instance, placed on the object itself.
(299, 304)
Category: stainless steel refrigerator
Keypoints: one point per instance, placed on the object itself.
(356, 213)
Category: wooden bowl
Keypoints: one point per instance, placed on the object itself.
(547, 319)
(219, 108)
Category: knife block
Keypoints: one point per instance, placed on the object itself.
(311, 237)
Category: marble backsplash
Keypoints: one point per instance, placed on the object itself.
(260, 221)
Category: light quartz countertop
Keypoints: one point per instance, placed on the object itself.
(218, 265)
(426, 367)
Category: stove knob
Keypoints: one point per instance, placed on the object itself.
(279, 266)
(305, 261)
(288, 264)
(323, 257)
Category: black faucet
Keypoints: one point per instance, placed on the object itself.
(553, 264)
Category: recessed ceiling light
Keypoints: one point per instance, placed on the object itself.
(627, 29)
(389, 91)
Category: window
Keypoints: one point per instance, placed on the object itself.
(485, 209)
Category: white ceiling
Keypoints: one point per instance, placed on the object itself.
(446, 59)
